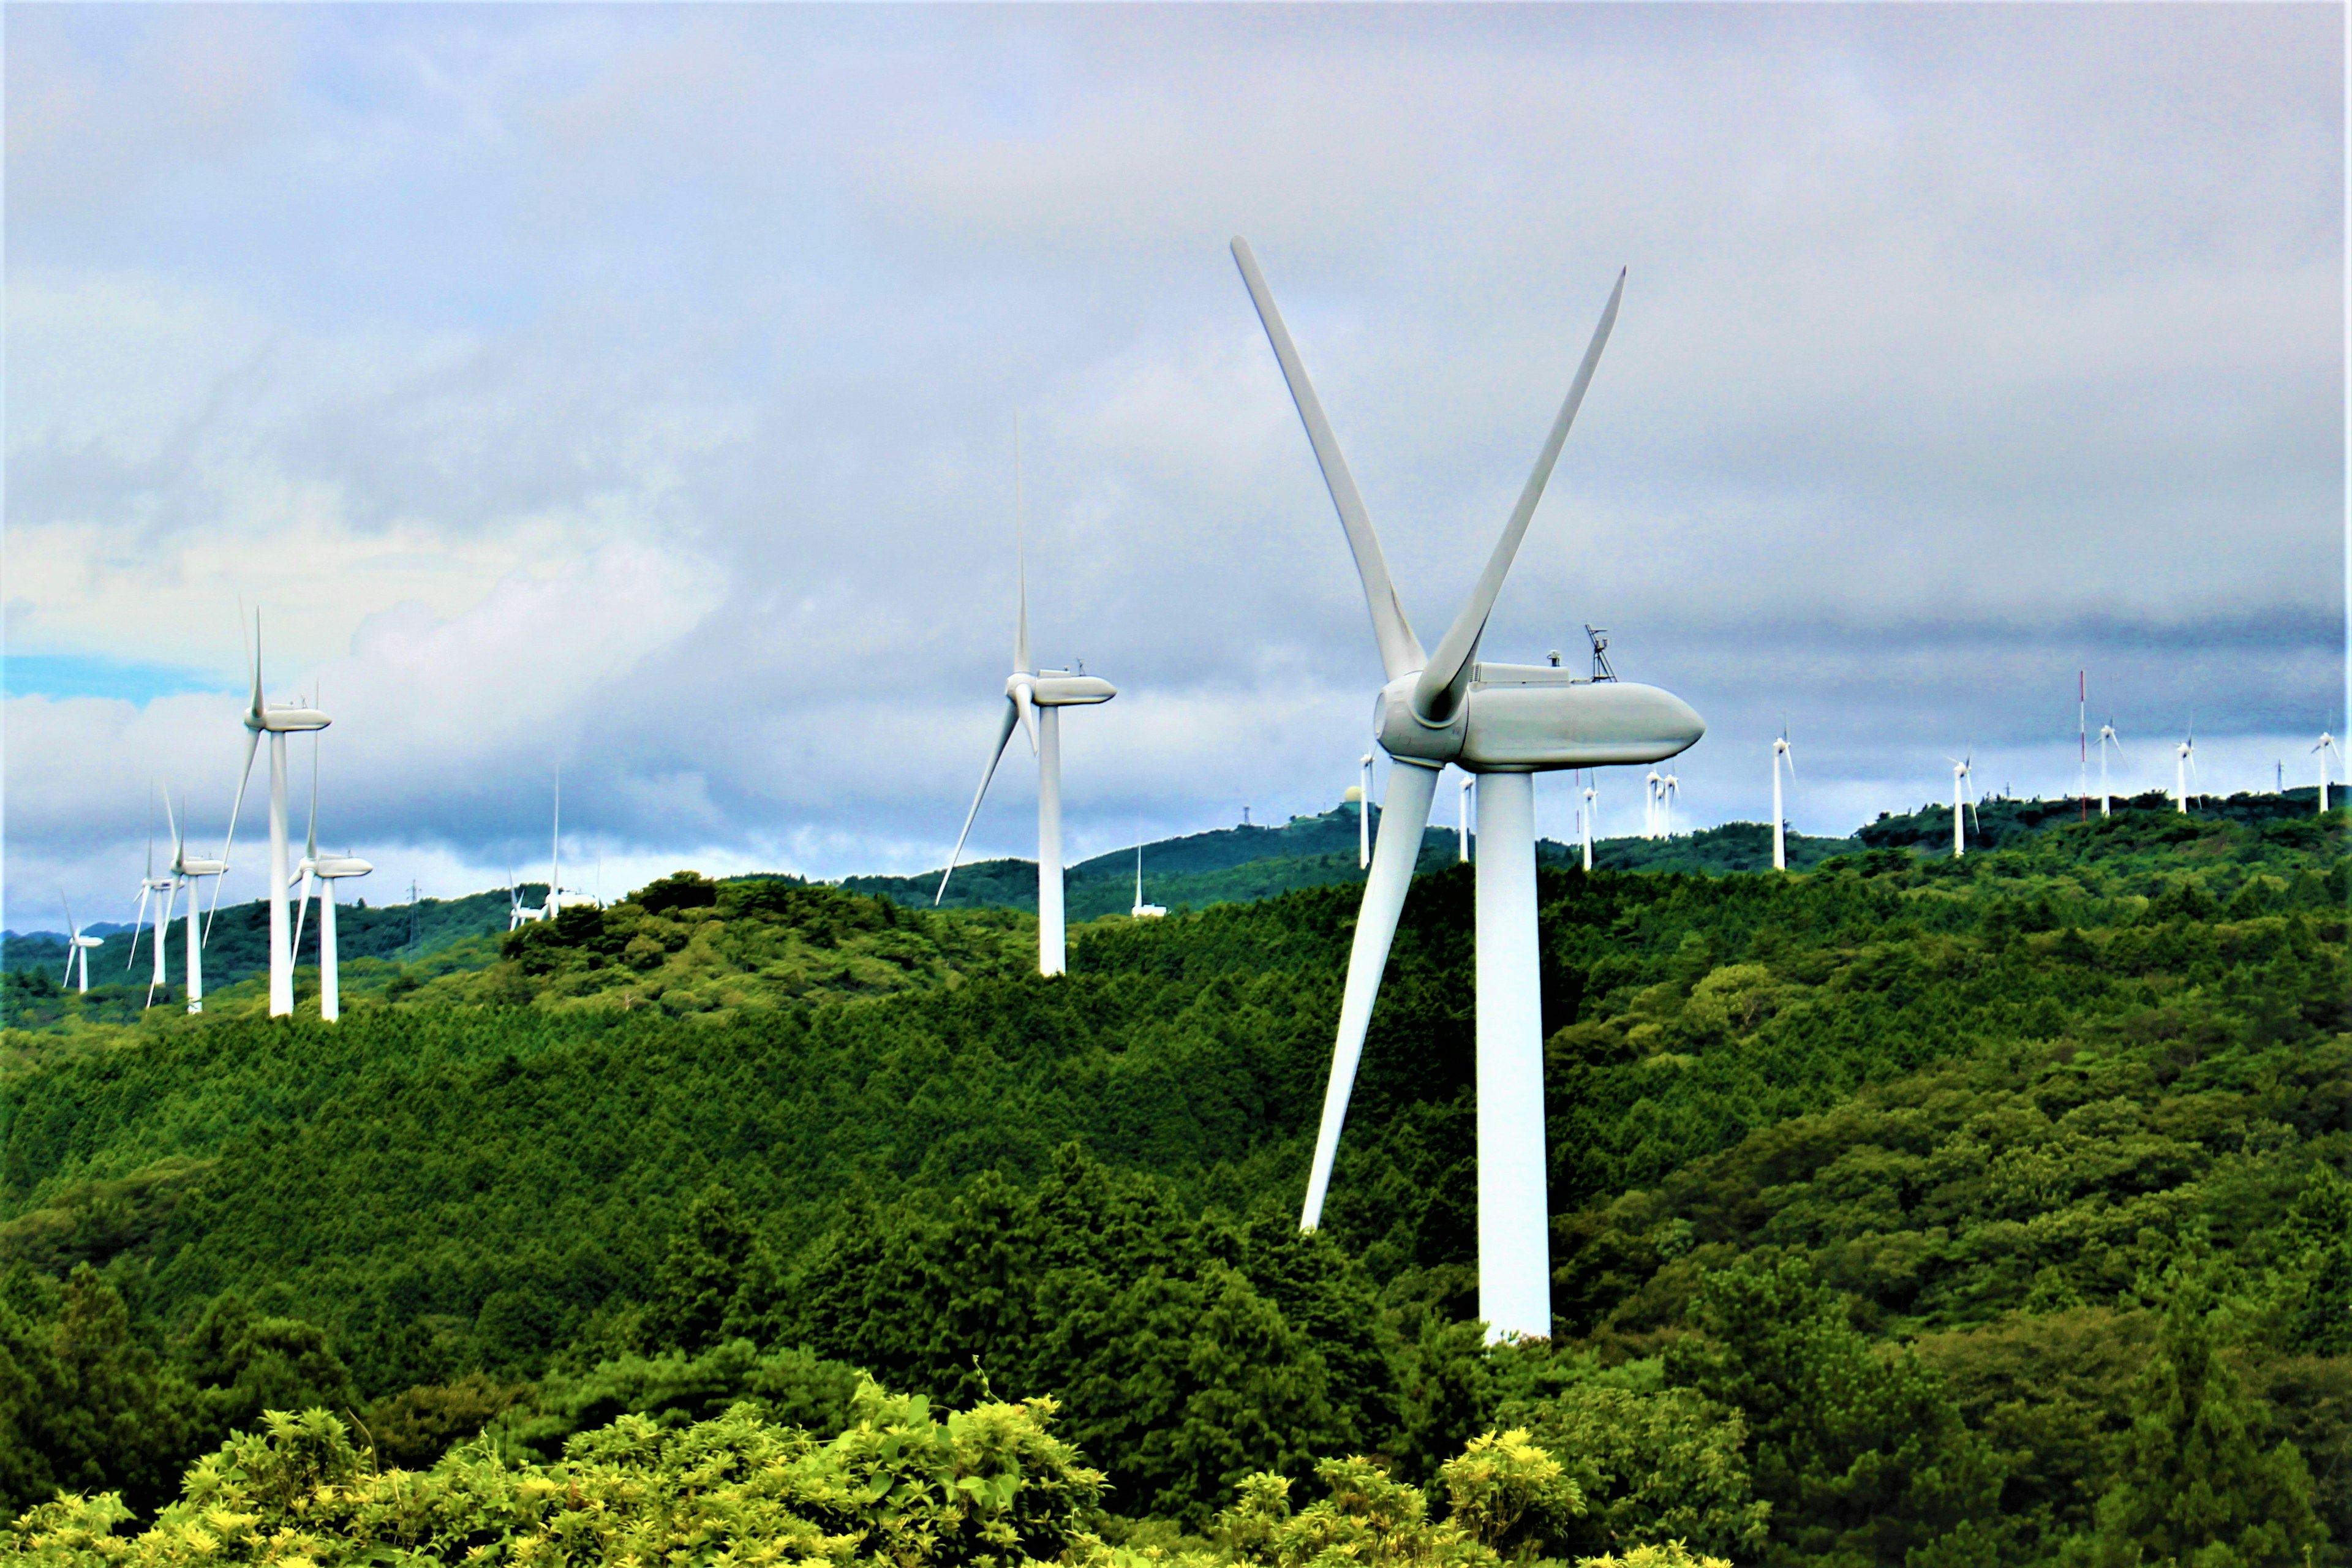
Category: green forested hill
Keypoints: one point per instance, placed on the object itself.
(1902, 1206)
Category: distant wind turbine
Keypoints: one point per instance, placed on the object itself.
(190, 871)
(2107, 737)
(1591, 807)
(2325, 749)
(1364, 817)
(1033, 700)
(150, 885)
(326, 870)
(1462, 834)
(1781, 753)
(1670, 789)
(2184, 763)
(77, 946)
(1963, 791)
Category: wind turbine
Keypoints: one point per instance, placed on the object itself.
(2326, 745)
(1963, 789)
(276, 722)
(1462, 832)
(1034, 699)
(1142, 911)
(2184, 762)
(326, 870)
(1364, 817)
(1503, 723)
(1651, 785)
(77, 946)
(190, 870)
(1591, 805)
(148, 885)
(1781, 753)
(2107, 737)
(1669, 788)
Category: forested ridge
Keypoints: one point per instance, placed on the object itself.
(1905, 1210)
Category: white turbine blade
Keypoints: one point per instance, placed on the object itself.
(72, 931)
(1003, 735)
(1434, 695)
(1400, 652)
(310, 842)
(139, 920)
(252, 739)
(170, 898)
(1404, 816)
(300, 910)
(1025, 705)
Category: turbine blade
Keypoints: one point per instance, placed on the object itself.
(1022, 664)
(302, 909)
(138, 924)
(1003, 735)
(1400, 652)
(252, 739)
(310, 842)
(1026, 705)
(1404, 814)
(1439, 688)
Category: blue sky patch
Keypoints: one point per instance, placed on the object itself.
(93, 674)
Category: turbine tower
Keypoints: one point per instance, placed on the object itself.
(1503, 723)
(1034, 699)
(1364, 816)
(189, 870)
(276, 722)
(2107, 737)
(326, 870)
(1781, 753)
(1669, 789)
(2327, 746)
(1462, 831)
(1591, 805)
(1963, 790)
(2184, 762)
(1651, 785)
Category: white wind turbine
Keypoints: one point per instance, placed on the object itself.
(277, 721)
(77, 946)
(1963, 790)
(1462, 831)
(189, 870)
(2184, 763)
(326, 870)
(2325, 747)
(1034, 699)
(1669, 789)
(149, 886)
(1364, 817)
(1781, 753)
(1651, 785)
(1503, 723)
(2107, 737)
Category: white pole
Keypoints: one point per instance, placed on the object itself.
(1049, 841)
(196, 952)
(1364, 819)
(1779, 840)
(2180, 779)
(1412, 788)
(1514, 1228)
(1590, 806)
(1462, 834)
(1959, 840)
(2102, 773)
(162, 932)
(281, 955)
(330, 992)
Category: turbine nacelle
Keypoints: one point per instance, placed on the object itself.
(1534, 717)
(285, 720)
(340, 865)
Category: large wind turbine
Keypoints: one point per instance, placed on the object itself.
(2184, 762)
(1781, 753)
(277, 721)
(1504, 724)
(2107, 737)
(327, 870)
(2326, 745)
(1963, 790)
(190, 870)
(1034, 699)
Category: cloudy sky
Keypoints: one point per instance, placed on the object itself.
(632, 390)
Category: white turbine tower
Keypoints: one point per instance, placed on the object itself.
(1591, 807)
(2327, 746)
(1651, 785)
(1963, 791)
(1461, 830)
(77, 946)
(1670, 788)
(1503, 723)
(2107, 737)
(1781, 753)
(2184, 763)
(276, 722)
(327, 870)
(1364, 817)
(1034, 699)
(149, 886)
(189, 870)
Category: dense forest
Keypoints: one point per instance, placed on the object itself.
(1907, 1211)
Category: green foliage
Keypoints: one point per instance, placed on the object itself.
(1670, 1463)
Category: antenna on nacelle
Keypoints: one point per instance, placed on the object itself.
(1600, 638)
